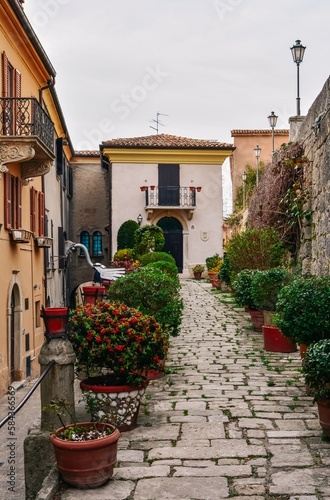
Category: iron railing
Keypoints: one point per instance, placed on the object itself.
(24, 116)
(27, 396)
(170, 196)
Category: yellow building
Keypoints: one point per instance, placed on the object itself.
(32, 130)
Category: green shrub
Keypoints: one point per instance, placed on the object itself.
(149, 257)
(254, 249)
(224, 273)
(316, 366)
(124, 254)
(266, 286)
(148, 238)
(153, 292)
(165, 267)
(243, 288)
(213, 262)
(303, 309)
(125, 236)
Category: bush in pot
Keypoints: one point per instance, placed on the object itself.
(115, 345)
(316, 367)
(243, 296)
(303, 309)
(265, 288)
(152, 292)
(198, 271)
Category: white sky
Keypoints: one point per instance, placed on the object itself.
(211, 65)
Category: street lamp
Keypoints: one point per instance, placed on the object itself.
(298, 51)
(272, 123)
(139, 219)
(257, 154)
(244, 179)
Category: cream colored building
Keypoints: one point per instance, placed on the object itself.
(174, 182)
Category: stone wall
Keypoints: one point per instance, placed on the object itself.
(314, 135)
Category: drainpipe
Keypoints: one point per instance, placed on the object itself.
(50, 84)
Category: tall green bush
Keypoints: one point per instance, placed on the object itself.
(149, 257)
(243, 288)
(254, 249)
(153, 292)
(149, 238)
(125, 236)
(266, 286)
(166, 267)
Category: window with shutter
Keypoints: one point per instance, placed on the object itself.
(59, 156)
(18, 94)
(5, 75)
(19, 185)
(41, 214)
(33, 210)
(8, 201)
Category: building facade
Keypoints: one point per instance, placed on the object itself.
(174, 182)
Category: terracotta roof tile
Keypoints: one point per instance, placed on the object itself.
(260, 132)
(165, 141)
(87, 153)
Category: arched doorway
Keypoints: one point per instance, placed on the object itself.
(14, 335)
(172, 229)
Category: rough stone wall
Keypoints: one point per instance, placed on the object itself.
(314, 134)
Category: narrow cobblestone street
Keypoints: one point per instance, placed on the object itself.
(229, 420)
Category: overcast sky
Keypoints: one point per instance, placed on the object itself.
(211, 65)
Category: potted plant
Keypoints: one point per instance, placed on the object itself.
(86, 452)
(265, 288)
(316, 366)
(198, 271)
(224, 275)
(243, 296)
(213, 265)
(303, 310)
(114, 345)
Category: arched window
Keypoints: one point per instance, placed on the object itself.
(84, 240)
(97, 243)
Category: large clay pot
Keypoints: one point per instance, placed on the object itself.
(257, 318)
(275, 341)
(86, 464)
(302, 349)
(324, 415)
(156, 374)
(117, 404)
(93, 293)
(197, 276)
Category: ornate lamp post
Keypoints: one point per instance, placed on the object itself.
(257, 155)
(139, 219)
(244, 179)
(298, 51)
(272, 118)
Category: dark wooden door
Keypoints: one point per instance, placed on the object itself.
(169, 185)
(172, 230)
(12, 337)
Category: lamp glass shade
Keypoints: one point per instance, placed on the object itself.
(272, 119)
(257, 151)
(298, 52)
(244, 176)
(139, 219)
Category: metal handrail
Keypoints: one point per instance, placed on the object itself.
(27, 396)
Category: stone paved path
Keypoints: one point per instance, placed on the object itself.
(230, 420)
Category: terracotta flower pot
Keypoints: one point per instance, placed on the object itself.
(86, 464)
(116, 402)
(302, 349)
(156, 374)
(212, 276)
(55, 319)
(275, 341)
(197, 276)
(324, 415)
(257, 318)
(93, 293)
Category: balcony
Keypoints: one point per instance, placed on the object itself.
(21, 235)
(27, 136)
(170, 198)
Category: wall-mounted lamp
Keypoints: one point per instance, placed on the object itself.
(139, 219)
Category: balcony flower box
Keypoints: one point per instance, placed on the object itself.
(192, 188)
(199, 189)
(43, 241)
(21, 235)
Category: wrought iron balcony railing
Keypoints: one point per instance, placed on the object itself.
(170, 196)
(24, 116)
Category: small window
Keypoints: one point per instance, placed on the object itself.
(84, 240)
(97, 243)
(37, 314)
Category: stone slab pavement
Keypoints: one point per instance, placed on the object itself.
(229, 420)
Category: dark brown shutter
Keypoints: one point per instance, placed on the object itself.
(5, 75)
(19, 185)
(41, 214)
(8, 201)
(33, 210)
(18, 94)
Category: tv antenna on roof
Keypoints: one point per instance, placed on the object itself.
(157, 121)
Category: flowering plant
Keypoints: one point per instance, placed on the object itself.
(216, 268)
(116, 338)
